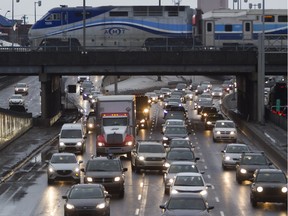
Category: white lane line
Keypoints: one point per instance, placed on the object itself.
(137, 211)
(217, 199)
(222, 213)
(267, 135)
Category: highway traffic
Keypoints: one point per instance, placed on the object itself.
(27, 193)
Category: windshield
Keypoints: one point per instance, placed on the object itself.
(254, 160)
(103, 165)
(151, 149)
(188, 181)
(180, 155)
(86, 193)
(225, 125)
(175, 130)
(182, 168)
(63, 159)
(186, 203)
(236, 149)
(115, 121)
(71, 133)
(271, 177)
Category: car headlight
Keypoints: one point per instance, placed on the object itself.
(142, 121)
(205, 114)
(203, 192)
(90, 96)
(89, 179)
(78, 143)
(259, 189)
(129, 143)
(90, 125)
(243, 171)
(227, 158)
(165, 138)
(50, 169)
(100, 144)
(167, 165)
(100, 205)
(213, 93)
(171, 180)
(77, 169)
(141, 158)
(174, 191)
(220, 93)
(284, 189)
(208, 122)
(146, 110)
(61, 144)
(116, 179)
(218, 132)
(186, 138)
(232, 132)
(69, 206)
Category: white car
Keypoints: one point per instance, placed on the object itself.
(63, 166)
(224, 130)
(217, 92)
(190, 182)
(16, 100)
(21, 88)
(231, 154)
(173, 122)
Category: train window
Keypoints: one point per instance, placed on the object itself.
(269, 18)
(80, 14)
(209, 27)
(118, 13)
(53, 17)
(228, 28)
(247, 27)
(140, 11)
(282, 18)
(155, 11)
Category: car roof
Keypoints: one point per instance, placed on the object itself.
(196, 195)
(237, 144)
(63, 153)
(149, 143)
(180, 149)
(179, 138)
(188, 174)
(272, 170)
(104, 158)
(225, 121)
(87, 185)
(183, 163)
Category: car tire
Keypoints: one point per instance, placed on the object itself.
(239, 181)
(253, 202)
(50, 181)
(214, 140)
(122, 193)
(224, 167)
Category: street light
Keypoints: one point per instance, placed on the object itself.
(261, 68)
(35, 4)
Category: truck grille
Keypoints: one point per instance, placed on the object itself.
(114, 138)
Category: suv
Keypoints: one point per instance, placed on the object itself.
(174, 131)
(148, 155)
(21, 88)
(248, 163)
(269, 185)
(107, 171)
(206, 111)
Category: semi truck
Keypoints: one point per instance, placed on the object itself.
(116, 117)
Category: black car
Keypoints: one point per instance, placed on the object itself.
(211, 118)
(248, 163)
(174, 131)
(107, 171)
(180, 143)
(180, 154)
(183, 204)
(208, 110)
(269, 185)
(87, 199)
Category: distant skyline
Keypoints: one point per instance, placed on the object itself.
(26, 7)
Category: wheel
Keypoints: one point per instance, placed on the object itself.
(214, 140)
(239, 181)
(253, 202)
(50, 181)
(224, 167)
(121, 194)
(137, 169)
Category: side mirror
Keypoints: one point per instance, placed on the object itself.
(64, 197)
(125, 169)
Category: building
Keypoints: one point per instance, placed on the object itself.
(208, 5)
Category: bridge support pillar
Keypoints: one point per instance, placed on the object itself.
(50, 98)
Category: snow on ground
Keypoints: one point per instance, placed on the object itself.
(146, 82)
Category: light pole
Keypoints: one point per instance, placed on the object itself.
(84, 26)
(261, 68)
(35, 4)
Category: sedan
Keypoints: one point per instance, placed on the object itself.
(181, 143)
(16, 100)
(87, 199)
(177, 167)
(217, 92)
(179, 154)
(63, 166)
(148, 155)
(21, 88)
(189, 182)
(184, 204)
(174, 132)
(224, 130)
(173, 122)
(269, 185)
(232, 153)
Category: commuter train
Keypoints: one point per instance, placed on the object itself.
(154, 28)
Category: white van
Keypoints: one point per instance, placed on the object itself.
(72, 138)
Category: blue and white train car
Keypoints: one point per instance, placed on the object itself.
(111, 27)
(241, 28)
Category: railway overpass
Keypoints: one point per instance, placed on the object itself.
(50, 66)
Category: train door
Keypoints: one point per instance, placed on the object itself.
(209, 34)
(247, 30)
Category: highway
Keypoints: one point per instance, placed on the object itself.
(26, 193)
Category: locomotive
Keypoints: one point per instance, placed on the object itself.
(155, 28)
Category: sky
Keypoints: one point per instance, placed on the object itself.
(27, 7)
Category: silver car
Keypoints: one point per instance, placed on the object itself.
(150, 155)
(224, 130)
(63, 166)
(232, 153)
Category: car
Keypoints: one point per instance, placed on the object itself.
(174, 131)
(181, 86)
(87, 199)
(207, 110)
(21, 88)
(107, 171)
(183, 204)
(16, 100)
(148, 155)
(192, 182)
(170, 108)
(91, 122)
(248, 163)
(180, 154)
(85, 86)
(206, 85)
(210, 120)
(189, 95)
(224, 130)
(165, 91)
(227, 85)
(172, 122)
(181, 143)
(269, 185)
(177, 167)
(152, 97)
(232, 153)
(63, 166)
(217, 92)
(175, 115)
